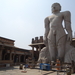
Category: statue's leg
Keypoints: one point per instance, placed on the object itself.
(52, 48)
(61, 48)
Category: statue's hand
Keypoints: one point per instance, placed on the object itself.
(69, 37)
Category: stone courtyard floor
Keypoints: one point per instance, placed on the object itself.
(16, 71)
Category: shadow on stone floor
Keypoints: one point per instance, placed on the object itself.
(8, 68)
(48, 73)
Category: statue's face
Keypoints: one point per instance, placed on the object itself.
(55, 7)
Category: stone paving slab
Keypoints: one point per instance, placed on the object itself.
(16, 71)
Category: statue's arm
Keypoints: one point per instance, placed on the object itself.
(67, 21)
(46, 22)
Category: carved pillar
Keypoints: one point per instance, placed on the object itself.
(0, 54)
(36, 48)
(10, 54)
(14, 55)
(1, 49)
(39, 47)
(19, 58)
(24, 57)
(32, 52)
(5, 56)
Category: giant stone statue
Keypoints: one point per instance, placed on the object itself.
(55, 38)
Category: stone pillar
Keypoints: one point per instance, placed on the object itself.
(10, 54)
(24, 58)
(32, 52)
(13, 54)
(19, 58)
(13, 57)
(4, 56)
(36, 48)
(0, 54)
(39, 47)
(1, 49)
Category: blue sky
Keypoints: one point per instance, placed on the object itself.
(22, 20)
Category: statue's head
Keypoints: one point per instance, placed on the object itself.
(56, 7)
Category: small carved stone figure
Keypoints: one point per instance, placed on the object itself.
(55, 35)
